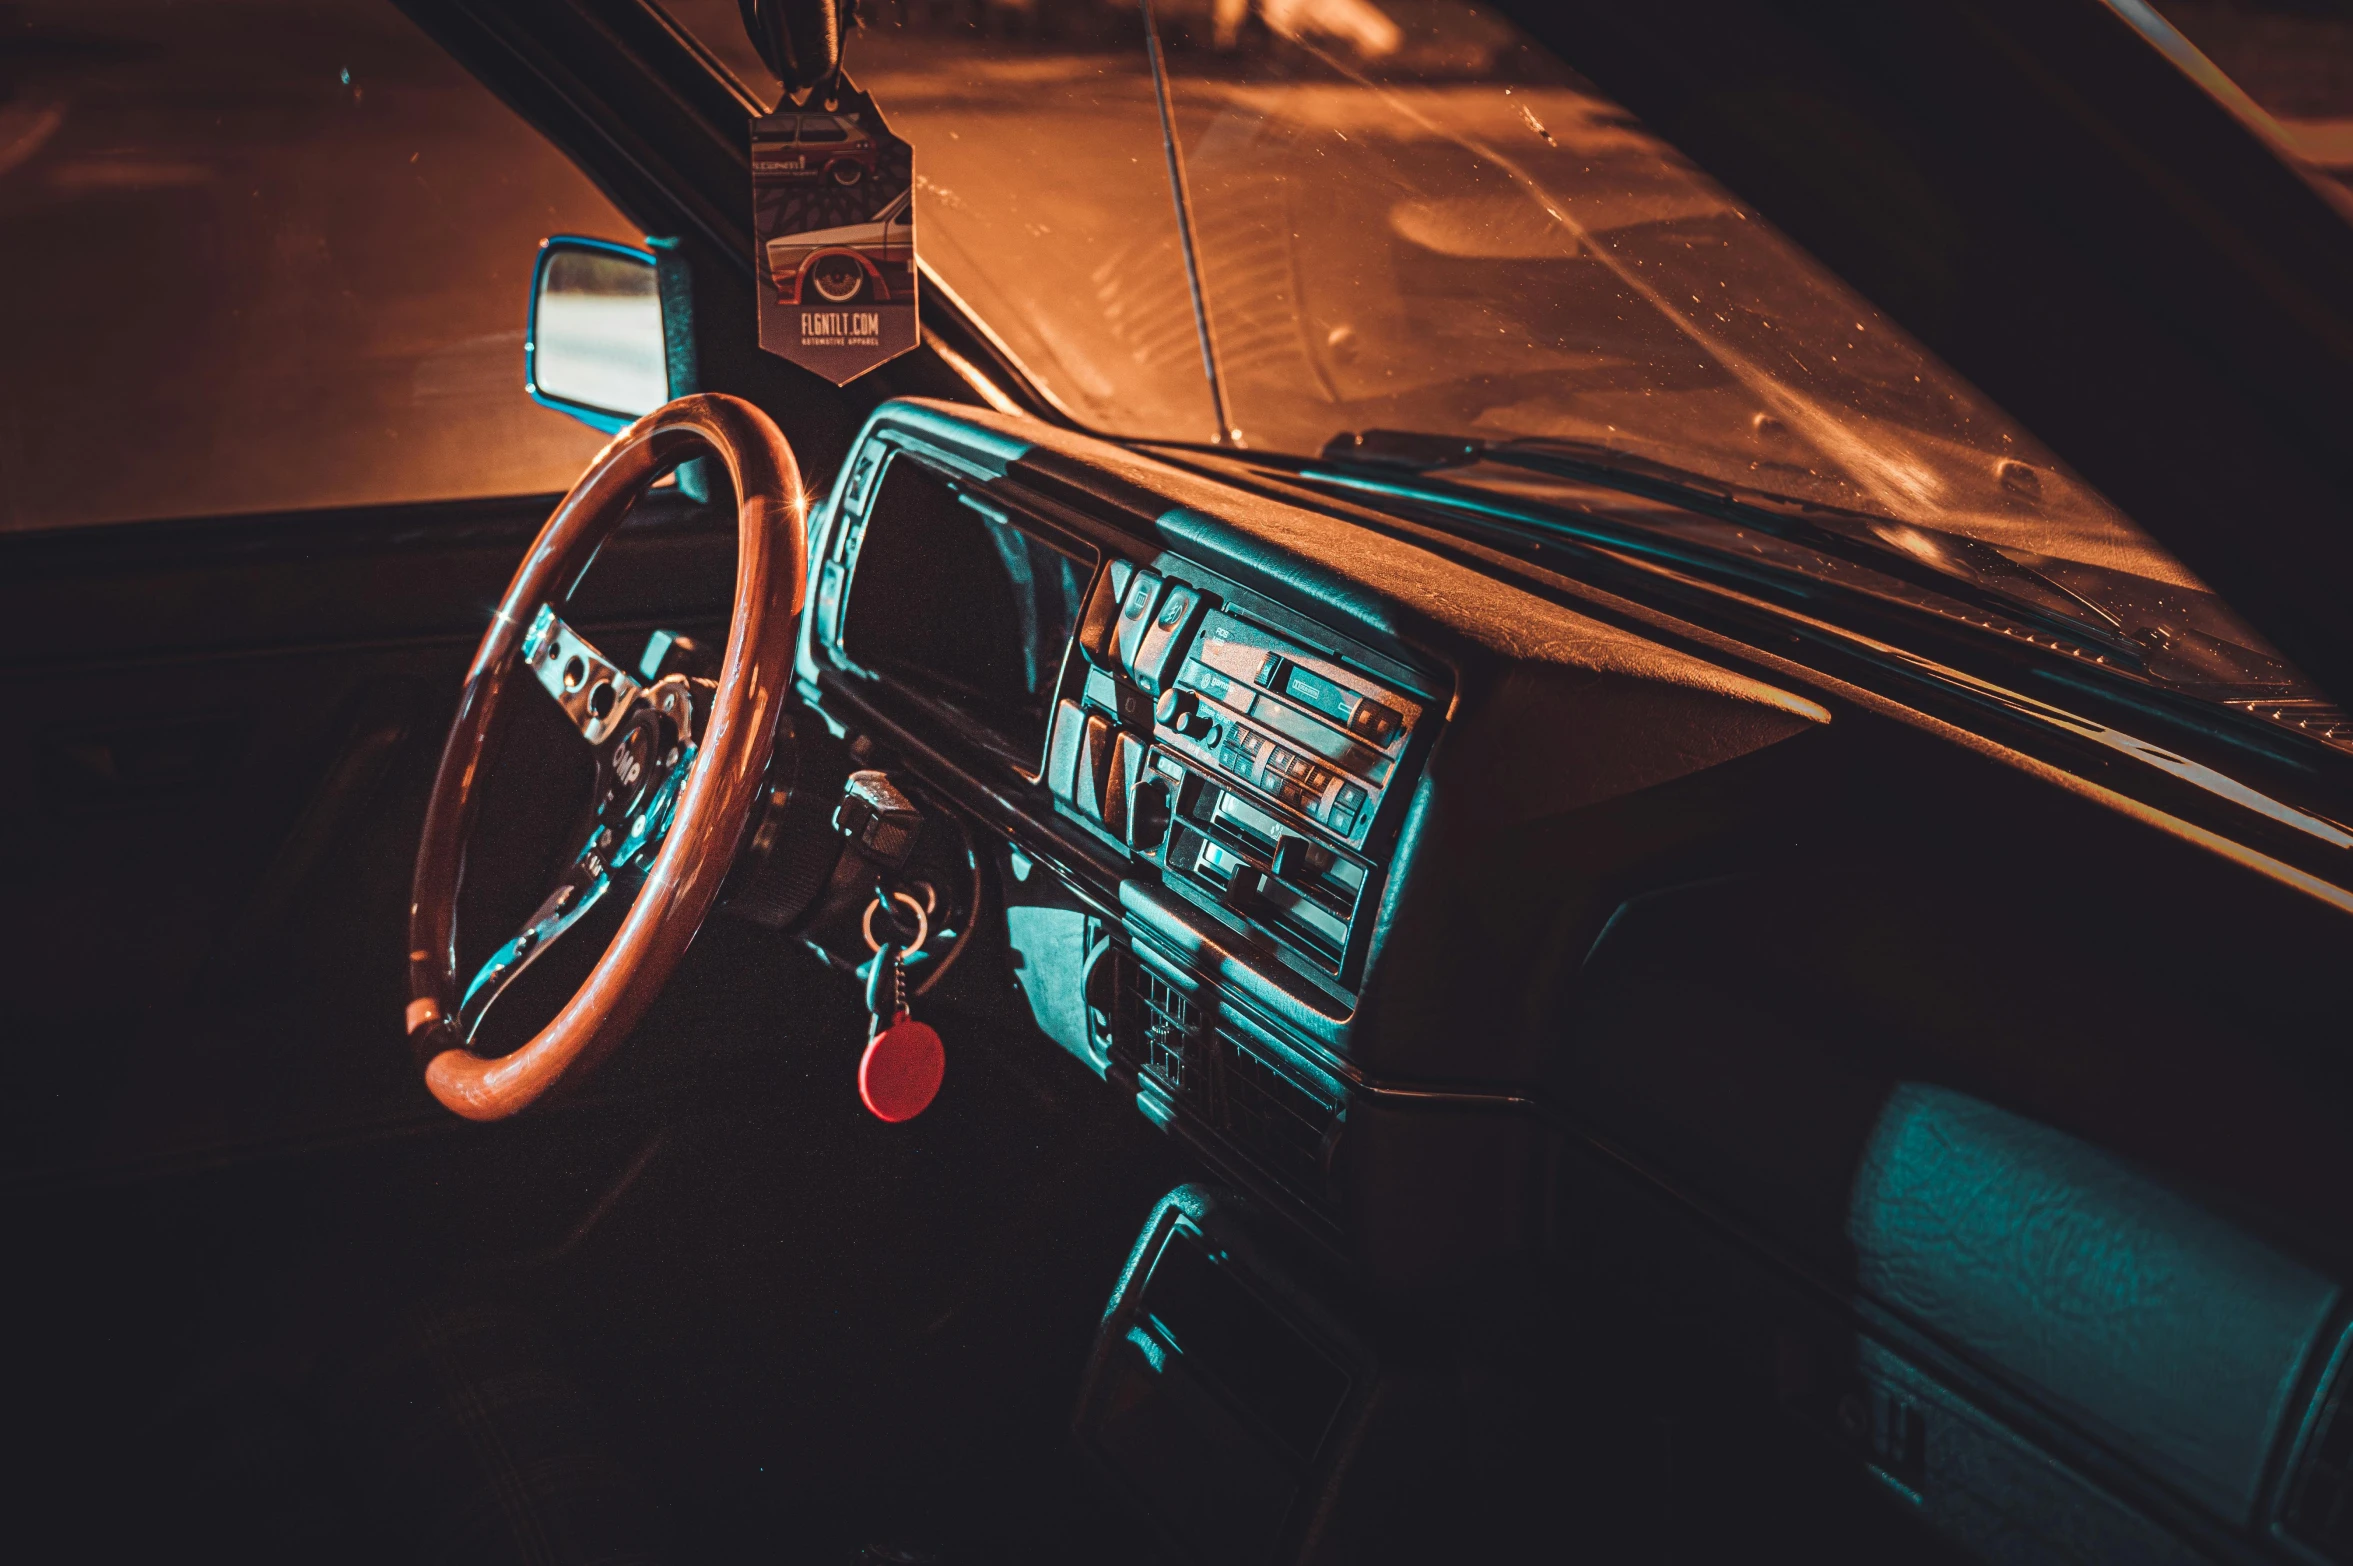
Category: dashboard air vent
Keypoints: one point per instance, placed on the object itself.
(1225, 1085)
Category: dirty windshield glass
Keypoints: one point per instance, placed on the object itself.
(1414, 218)
(1406, 216)
(1041, 191)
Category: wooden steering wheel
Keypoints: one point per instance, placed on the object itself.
(680, 762)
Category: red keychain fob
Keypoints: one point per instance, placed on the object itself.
(900, 1073)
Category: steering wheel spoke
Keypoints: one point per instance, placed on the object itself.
(639, 773)
(595, 693)
(583, 886)
(681, 762)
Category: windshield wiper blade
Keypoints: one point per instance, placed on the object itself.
(1941, 561)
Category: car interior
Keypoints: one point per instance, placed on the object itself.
(1076, 986)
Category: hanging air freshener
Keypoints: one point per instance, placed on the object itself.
(833, 214)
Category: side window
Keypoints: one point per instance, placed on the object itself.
(262, 257)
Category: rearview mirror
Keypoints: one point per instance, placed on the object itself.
(595, 348)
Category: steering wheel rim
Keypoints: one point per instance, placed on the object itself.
(724, 772)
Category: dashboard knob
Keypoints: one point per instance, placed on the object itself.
(1181, 710)
(1148, 814)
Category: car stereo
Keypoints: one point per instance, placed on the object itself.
(1253, 769)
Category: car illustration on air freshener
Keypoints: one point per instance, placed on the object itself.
(848, 265)
(813, 146)
(833, 211)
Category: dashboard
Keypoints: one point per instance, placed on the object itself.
(1448, 912)
(1214, 732)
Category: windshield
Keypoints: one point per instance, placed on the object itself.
(1408, 216)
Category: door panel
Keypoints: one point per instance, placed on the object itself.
(2031, 1208)
(221, 783)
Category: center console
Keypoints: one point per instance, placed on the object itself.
(1238, 1402)
(1253, 769)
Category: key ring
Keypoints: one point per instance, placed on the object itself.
(922, 922)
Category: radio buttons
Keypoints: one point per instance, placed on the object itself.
(1346, 806)
(1375, 722)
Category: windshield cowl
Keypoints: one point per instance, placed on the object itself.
(2182, 639)
(1953, 561)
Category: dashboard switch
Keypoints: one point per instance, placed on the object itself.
(1062, 755)
(1119, 788)
(1135, 617)
(1299, 859)
(878, 819)
(1093, 785)
(1148, 815)
(1161, 647)
(1095, 631)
